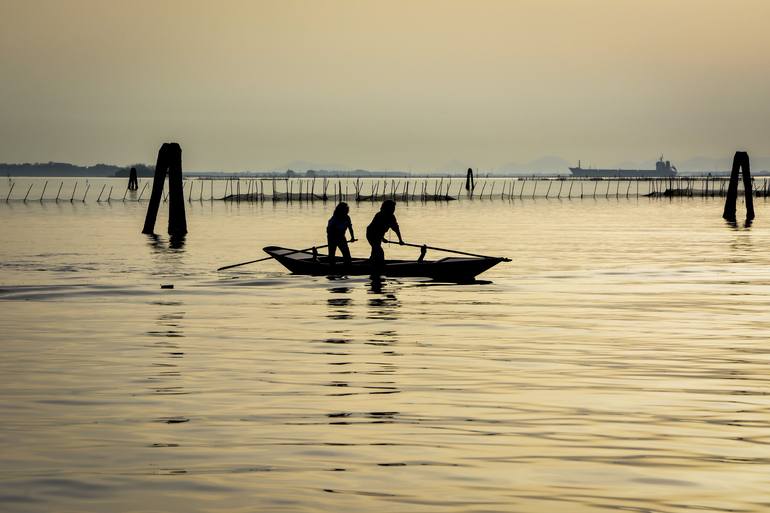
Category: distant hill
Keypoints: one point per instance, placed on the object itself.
(65, 169)
(354, 173)
(549, 164)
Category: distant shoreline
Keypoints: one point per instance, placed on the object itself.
(66, 170)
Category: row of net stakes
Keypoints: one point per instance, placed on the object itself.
(406, 190)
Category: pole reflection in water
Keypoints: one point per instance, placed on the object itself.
(165, 379)
(166, 382)
(167, 254)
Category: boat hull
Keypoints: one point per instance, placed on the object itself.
(446, 269)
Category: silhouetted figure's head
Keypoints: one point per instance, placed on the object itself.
(341, 209)
(388, 206)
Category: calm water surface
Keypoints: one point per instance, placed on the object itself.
(620, 362)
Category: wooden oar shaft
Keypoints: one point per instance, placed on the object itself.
(446, 250)
(269, 257)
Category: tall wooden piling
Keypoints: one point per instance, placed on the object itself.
(169, 163)
(740, 163)
(177, 220)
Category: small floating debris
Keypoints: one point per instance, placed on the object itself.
(167, 285)
(173, 420)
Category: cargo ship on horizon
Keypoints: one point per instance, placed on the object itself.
(663, 169)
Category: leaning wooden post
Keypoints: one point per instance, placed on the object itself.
(142, 192)
(740, 162)
(177, 221)
(157, 190)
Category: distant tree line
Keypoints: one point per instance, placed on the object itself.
(65, 169)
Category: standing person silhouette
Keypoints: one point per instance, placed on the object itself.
(383, 221)
(338, 224)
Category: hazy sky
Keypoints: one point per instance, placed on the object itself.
(382, 85)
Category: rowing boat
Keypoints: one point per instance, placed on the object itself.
(450, 269)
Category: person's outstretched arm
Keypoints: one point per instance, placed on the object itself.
(350, 227)
(396, 229)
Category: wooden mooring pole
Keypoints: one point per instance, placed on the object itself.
(169, 162)
(740, 162)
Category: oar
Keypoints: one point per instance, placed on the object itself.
(448, 250)
(271, 256)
